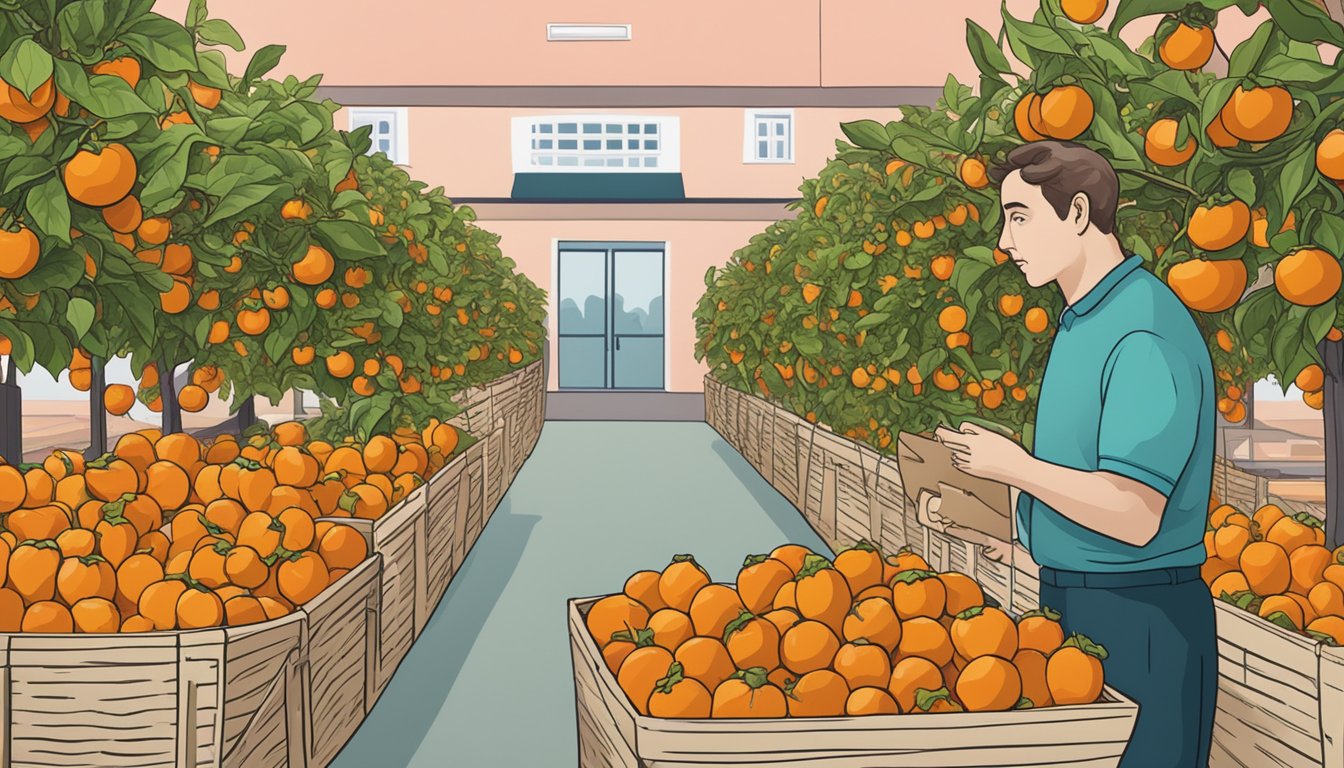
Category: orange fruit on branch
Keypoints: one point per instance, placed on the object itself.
(1330, 155)
(1066, 111)
(1024, 119)
(1208, 286)
(204, 95)
(123, 216)
(17, 108)
(125, 67)
(1259, 114)
(1216, 227)
(100, 178)
(1308, 277)
(18, 253)
(1083, 12)
(1159, 144)
(1187, 48)
(972, 173)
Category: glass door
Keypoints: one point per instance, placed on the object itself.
(611, 328)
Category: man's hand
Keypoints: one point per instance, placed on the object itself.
(983, 453)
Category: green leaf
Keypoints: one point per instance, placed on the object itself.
(25, 169)
(871, 319)
(1297, 174)
(808, 343)
(220, 32)
(985, 51)
(49, 208)
(80, 313)
(162, 42)
(1129, 10)
(348, 239)
(1215, 97)
(1305, 22)
(858, 260)
(239, 199)
(196, 13)
(1248, 54)
(868, 134)
(1125, 61)
(1241, 183)
(59, 268)
(106, 96)
(264, 60)
(1329, 233)
(1291, 70)
(26, 65)
(84, 29)
(1107, 127)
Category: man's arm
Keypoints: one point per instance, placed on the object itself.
(1151, 398)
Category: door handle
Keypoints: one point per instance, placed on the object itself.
(618, 343)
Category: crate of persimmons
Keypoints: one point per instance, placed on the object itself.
(864, 660)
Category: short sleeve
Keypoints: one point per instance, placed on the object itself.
(1023, 511)
(1150, 402)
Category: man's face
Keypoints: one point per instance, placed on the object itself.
(1038, 241)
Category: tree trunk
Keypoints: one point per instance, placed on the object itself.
(1332, 352)
(172, 413)
(97, 411)
(11, 415)
(247, 414)
(298, 403)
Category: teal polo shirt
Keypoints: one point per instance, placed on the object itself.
(1128, 388)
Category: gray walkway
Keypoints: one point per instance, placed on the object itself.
(490, 684)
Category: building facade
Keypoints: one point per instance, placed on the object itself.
(620, 150)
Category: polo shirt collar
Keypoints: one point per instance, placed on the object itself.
(1092, 298)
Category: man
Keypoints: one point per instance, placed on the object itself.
(1113, 499)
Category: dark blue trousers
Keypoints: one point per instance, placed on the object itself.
(1158, 629)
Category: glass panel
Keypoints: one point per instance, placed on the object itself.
(568, 160)
(779, 128)
(613, 143)
(761, 128)
(545, 159)
(779, 150)
(615, 161)
(637, 305)
(650, 162)
(650, 144)
(569, 143)
(650, 127)
(592, 128)
(633, 144)
(634, 128)
(385, 146)
(545, 144)
(762, 151)
(583, 362)
(639, 363)
(569, 128)
(546, 128)
(583, 292)
(589, 144)
(592, 161)
(613, 127)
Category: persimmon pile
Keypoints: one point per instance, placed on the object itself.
(800, 635)
(1277, 566)
(170, 532)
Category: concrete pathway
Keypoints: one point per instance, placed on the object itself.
(490, 682)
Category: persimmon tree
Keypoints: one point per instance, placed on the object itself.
(1231, 193)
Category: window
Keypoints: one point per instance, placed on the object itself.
(768, 137)
(576, 143)
(389, 131)
(556, 32)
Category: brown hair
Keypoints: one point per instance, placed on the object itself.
(1062, 169)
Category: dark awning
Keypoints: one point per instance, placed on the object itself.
(541, 187)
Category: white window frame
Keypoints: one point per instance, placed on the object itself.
(668, 152)
(565, 32)
(400, 116)
(749, 138)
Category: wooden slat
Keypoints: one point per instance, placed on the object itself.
(339, 667)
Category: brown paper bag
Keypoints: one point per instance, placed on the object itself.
(966, 501)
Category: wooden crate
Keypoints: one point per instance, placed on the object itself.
(444, 515)
(212, 697)
(1270, 695)
(339, 660)
(1237, 487)
(398, 539)
(612, 733)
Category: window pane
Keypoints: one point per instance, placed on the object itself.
(613, 143)
(569, 127)
(545, 144)
(615, 161)
(569, 144)
(779, 128)
(650, 143)
(633, 144)
(779, 150)
(592, 161)
(385, 146)
(762, 150)
(761, 128)
(634, 128)
(545, 159)
(613, 127)
(568, 160)
(650, 127)
(650, 162)
(546, 128)
(592, 128)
